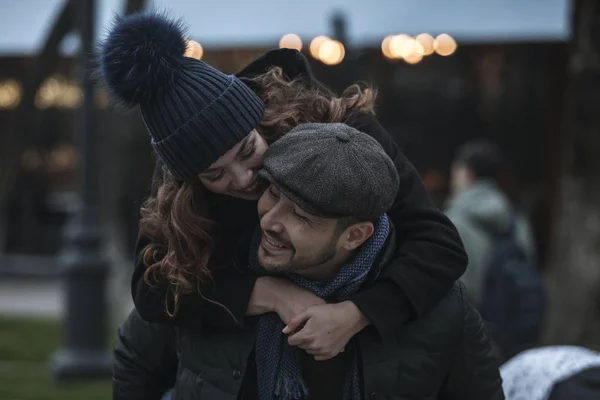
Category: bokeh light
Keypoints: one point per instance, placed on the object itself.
(332, 52)
(290, 41)
(194, 50)
(385, 47)
(427, 41)
(316, 44)
(445, 45)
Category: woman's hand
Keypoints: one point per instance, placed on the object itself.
(278, 295)
(324, 330)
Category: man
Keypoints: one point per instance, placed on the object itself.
(323, 226)
(481, 211)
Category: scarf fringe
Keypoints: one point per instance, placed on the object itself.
(288, 388)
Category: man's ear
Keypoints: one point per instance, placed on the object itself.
(356, 234)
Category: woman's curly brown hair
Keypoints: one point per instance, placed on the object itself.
(176, 217)
(291, 103)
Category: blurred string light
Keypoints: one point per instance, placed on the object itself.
(444, 45)
(403, 46)
(412, 50)
(332, 52)
(57, 92)
(327, 50)
(427, 42)
(194, 50)
(398, 46)
(62, 158)
(10, 94)
(414, 57)
(316, 44)
(54, 92)
(386, 47)
(290, 41)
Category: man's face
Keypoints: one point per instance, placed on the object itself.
(294, 241)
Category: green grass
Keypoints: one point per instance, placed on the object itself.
(26, 346)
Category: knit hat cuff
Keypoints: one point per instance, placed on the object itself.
(231, 117)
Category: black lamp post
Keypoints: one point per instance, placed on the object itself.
(84, 267)
(338, 23)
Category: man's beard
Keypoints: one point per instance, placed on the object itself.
(292, 265)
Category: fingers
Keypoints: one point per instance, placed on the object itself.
(302, 339)
(296, 322)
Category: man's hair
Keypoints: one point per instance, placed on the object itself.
(482, 157)
(345, 222)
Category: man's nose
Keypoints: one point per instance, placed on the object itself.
(270, 220)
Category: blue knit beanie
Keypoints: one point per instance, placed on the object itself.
(193, 112)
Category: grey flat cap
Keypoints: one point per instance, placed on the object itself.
(332, 170)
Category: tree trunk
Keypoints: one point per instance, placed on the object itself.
(573, 275)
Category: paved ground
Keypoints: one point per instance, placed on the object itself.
(31, 297)
(44, 298)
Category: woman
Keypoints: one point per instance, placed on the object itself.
(209, 131)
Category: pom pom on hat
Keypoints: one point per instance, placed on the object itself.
(142, 56)
(193, 112)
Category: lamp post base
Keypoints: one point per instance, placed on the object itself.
(70, 364)
(85, 353)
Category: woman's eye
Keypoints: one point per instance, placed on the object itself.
(247, 153)
(215, 177)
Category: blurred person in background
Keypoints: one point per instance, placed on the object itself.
(502, 276)
(210, 131)
(480, 210)
(552, 373)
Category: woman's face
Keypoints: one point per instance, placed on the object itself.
(235, 173)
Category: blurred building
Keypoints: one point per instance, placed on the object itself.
(446, 72)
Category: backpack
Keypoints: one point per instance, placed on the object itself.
(514, 297)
